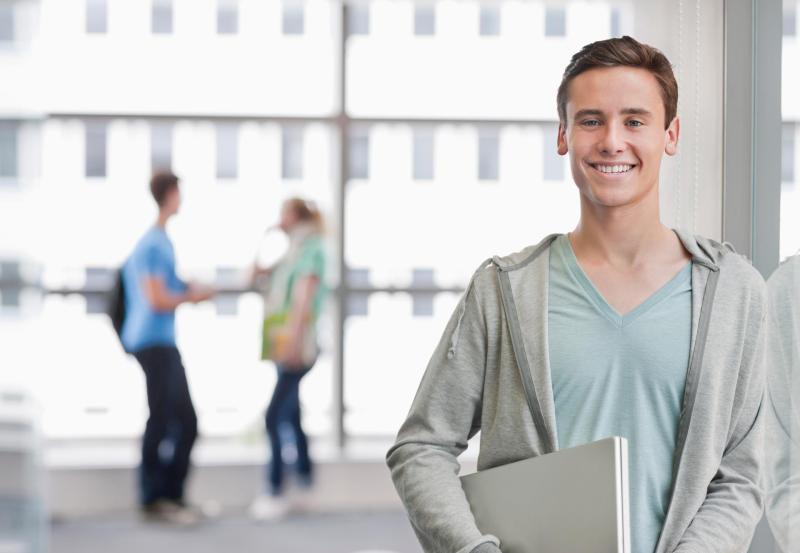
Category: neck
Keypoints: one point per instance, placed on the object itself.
(621, 236)
(163, 217)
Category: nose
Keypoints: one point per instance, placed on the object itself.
(612, 141)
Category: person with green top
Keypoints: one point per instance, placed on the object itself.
(293, 300)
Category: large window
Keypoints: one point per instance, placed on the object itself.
(435, 137)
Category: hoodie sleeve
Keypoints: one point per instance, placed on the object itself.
(734, 501)
(444, 415)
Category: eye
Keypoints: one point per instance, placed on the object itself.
(635, 123)
(590, 123)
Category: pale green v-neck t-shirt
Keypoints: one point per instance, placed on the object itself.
(623, 376)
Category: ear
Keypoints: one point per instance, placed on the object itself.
(672, 132)
(561, 141)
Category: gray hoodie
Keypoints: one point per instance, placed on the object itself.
(490, 373)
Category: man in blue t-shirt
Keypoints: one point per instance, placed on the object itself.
(152, 293)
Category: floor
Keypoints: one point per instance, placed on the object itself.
(368, 532)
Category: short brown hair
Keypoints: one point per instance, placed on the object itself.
(160, 185)
(628, 52)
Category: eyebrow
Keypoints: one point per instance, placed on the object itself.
(624, 111)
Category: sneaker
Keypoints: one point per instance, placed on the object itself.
(267, 508)
(304, 480)
(303, 500)
(203, 510)
(169, 512)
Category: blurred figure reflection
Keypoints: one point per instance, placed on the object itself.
(783, 428)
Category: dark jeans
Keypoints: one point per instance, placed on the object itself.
(171, 428)
(285, 408)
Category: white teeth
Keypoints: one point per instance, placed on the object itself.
(613, 168)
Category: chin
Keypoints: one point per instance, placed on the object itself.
(606, 195)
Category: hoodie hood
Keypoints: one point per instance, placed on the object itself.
(704, 251)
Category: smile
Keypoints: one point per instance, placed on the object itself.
(612, 169)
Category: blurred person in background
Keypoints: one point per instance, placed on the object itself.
(153, 291)
(294, 294)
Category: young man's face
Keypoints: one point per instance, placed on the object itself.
(615, 134)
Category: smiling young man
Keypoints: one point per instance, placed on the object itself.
(621, 327)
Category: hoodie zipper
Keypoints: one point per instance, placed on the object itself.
(692, 378)
(522, 361)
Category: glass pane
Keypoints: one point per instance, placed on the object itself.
(292, 153)
(423, 154)
(615, 23)
(96, 16)
(490, 20)
(358, 18)
(293, 17)
(358, 278)
(393, 74)
(790, 153)
(227, 151)
(229, 403)
(227, 17)
(789, 19)
(95, 149)
(212, 42)
(10, 298)
(394, 224)
(553, 163)
(379, 387)
(8, 150)
(488, 155)
(555, 21)
(787, 153)
(162, 17)
(6, 22)
(216, 237)
(425, 19)
(359, 155)
(161, 146)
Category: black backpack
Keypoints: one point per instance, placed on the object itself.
(115, 306)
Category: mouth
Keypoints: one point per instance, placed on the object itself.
(612, 168)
